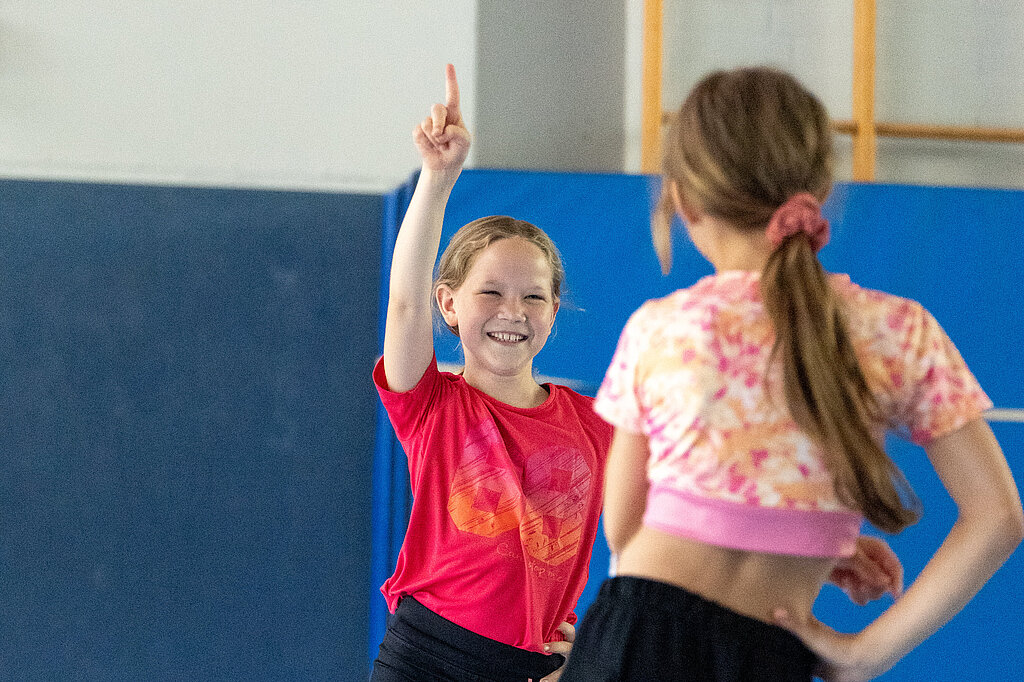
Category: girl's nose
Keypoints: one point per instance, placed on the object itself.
(512, 310)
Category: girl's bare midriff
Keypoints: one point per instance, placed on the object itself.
(751, 583)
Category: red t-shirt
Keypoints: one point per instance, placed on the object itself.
(506, 502)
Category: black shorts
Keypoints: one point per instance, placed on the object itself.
(644, 630)
(420, 645)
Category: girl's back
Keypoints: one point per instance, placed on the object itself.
(729, 468)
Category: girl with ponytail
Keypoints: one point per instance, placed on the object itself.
(750, 411)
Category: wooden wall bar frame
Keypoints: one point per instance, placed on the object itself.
(863, 127)
(651, 112)
(864, 143)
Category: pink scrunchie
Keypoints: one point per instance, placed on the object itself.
(800, 213)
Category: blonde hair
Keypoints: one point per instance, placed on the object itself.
(473, 237)
(741, 144)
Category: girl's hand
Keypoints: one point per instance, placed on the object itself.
(564, 647)
(872, 571)
(442, 138)
(841, 657)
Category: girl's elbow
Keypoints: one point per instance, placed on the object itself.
(614, 536)
(618, 535)
(1009, 528)
(615, 543)
(1000, 527)
(1015, 525)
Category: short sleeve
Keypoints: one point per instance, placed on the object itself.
(941, 394)
(617, 399)
(407, 409)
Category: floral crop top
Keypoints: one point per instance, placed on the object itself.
(728, 465)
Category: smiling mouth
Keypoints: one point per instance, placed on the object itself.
(506, 337)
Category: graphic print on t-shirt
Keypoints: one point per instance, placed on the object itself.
(484, 498)
(556, 483)
(487, 498)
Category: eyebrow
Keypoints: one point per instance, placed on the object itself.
(495, 283)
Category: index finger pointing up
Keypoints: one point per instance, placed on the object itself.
(451, 95)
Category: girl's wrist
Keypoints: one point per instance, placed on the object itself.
(441, 180)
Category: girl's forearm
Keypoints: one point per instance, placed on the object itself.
(972, 552)
(419, 238)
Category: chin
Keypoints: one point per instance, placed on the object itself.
(510, 369)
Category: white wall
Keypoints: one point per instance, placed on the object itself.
(313, 94)
(322, 94)
(550, 79)
(956, 62)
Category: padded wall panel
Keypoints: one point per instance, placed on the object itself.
(186, 427)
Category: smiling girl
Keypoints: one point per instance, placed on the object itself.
(505, 472)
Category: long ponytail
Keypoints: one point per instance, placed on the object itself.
(826, 391)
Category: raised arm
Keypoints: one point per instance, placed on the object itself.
(443, 143)
(989, 526)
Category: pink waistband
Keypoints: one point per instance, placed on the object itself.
(755, 529)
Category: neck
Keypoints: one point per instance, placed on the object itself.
(734, 248)
(518, 390)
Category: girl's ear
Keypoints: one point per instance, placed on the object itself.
(554, 313)
(446, 304)
(687, 211)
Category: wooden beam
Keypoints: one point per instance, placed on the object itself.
(864, 142)
(845, 126)
(945, 132)
(928, 131)
(650, 126)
